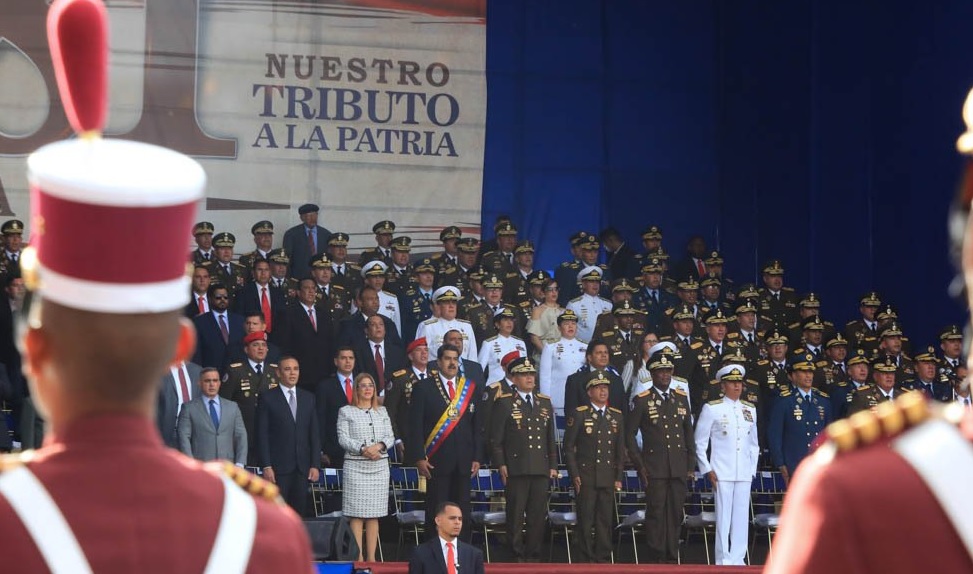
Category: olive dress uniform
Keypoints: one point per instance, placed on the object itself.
(523, 439)
(242, 385)
(594, 451)
(668, 456)
(623, 346)
(347, 275)
(398, 398)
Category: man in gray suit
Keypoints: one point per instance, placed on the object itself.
(179, 386)
(211, 427)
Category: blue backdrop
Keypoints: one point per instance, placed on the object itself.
(818, 132)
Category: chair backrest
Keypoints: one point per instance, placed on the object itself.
(699, 496)
(631, 498)
(405, 488)
(561, 494)
(767, 493)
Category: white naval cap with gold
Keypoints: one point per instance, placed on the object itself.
(82, 188)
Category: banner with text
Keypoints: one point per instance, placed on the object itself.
(373, 109)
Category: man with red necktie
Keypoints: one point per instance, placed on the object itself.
(446, 551)
(333, 393)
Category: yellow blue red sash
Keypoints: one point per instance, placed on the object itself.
(446, 423)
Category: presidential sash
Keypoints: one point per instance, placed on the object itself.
(454, 411)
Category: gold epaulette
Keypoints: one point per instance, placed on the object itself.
(399, 373)
(822, 393)
(462, 321)
(607, 333)
(644, 393)
(233, 365)
(575, 299)
(748, 404)
(502, 395)
(785, 392)
(582, 408)
(274, 365)
(851, 323)
(787, 289)
(543, 396)
(696, 345)
(251, 483)
(763, 362)
(716, 402)
(614, 410)
(889, 419)
(679, 391)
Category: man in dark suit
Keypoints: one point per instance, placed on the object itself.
(287, 436)
(575, 388)
(333, 393)
(307, 334)
(379, 349)
(217, 329)
(467, 368)
(694, 264)
(351, 330)
(432, 556)
(306, 240)
(211, 427)
(178, 387)
(199, 299)
(447, 461)
(621, 257)
(260, 296)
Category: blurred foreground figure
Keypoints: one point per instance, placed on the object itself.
(889, 491)
(103, 494)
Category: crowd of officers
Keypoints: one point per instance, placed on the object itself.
(686, 326)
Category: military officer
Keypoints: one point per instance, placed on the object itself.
(651, 242)
(622, 290)
(399, 275)
(890, 345)
(836, 350)
(729, 427)
(772, 372)
(279, 265)
(589, 305)
(710, 288)
(742, 330)
(494, 348)
(843, 391)
(624, 339)
(951, 344)
(415, 302)
(884, 387)
(667, 457)
(449, 236)
(501, 262)
(535, 287)
(473, 290)
(482, 316)
(566, 274)
(433, 329)
(522, 436)
(714, 267)
(398, 391)
(687, 292)
(776, 301)
(864, 332)
(714, 346)
(263, 241)
(562, 359)
(751, 387)
(203, 233)
(594, 450)
(382, 251)
(809, 306)
(244, 382)
(652, 299)
(339, 300)
(798, 415)
(375, 275)
(515, 285)
(345, 273)
(927, 379)
(13, 233)
(678, 381)
(690, 352)
(493, 392)
(467, 249)
(225, 271)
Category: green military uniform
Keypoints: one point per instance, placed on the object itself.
(247, 260)
(594, 451)
(499, 263)
(481, 315)
(346, 274)
(623, 346)
(523, 440)
(242, 385)
(667, 458)
(492, 393)
(377, 253)
(196, 256)
(782, 306)
(398, 398)
(231, 275)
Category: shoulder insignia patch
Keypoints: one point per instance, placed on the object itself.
(464, 321)
(614, 410)
(749, 404)
(431, 321)
(575, 299)
(785, 392)
(608, 333)
(679, 392)
(235, 365)
(717, 402)
(582, 408)
(399, 373)
(644, 393)
(543, 396)
(696, 345)
(763, 362)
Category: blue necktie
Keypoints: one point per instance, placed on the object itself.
(213, 415)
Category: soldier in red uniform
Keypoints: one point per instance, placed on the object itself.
(889, 491)
(103, 494)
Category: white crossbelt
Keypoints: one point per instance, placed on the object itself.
(60, 549)
(944, 459)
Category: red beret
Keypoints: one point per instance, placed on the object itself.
(420, 342)
(509, 357)
(255, 336)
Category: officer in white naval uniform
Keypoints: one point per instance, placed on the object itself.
(730, 426)
(446, 298)
(561, 359)
(589, 305)
(496, 347)
(388, 304)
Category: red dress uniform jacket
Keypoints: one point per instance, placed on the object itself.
(136, 506)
